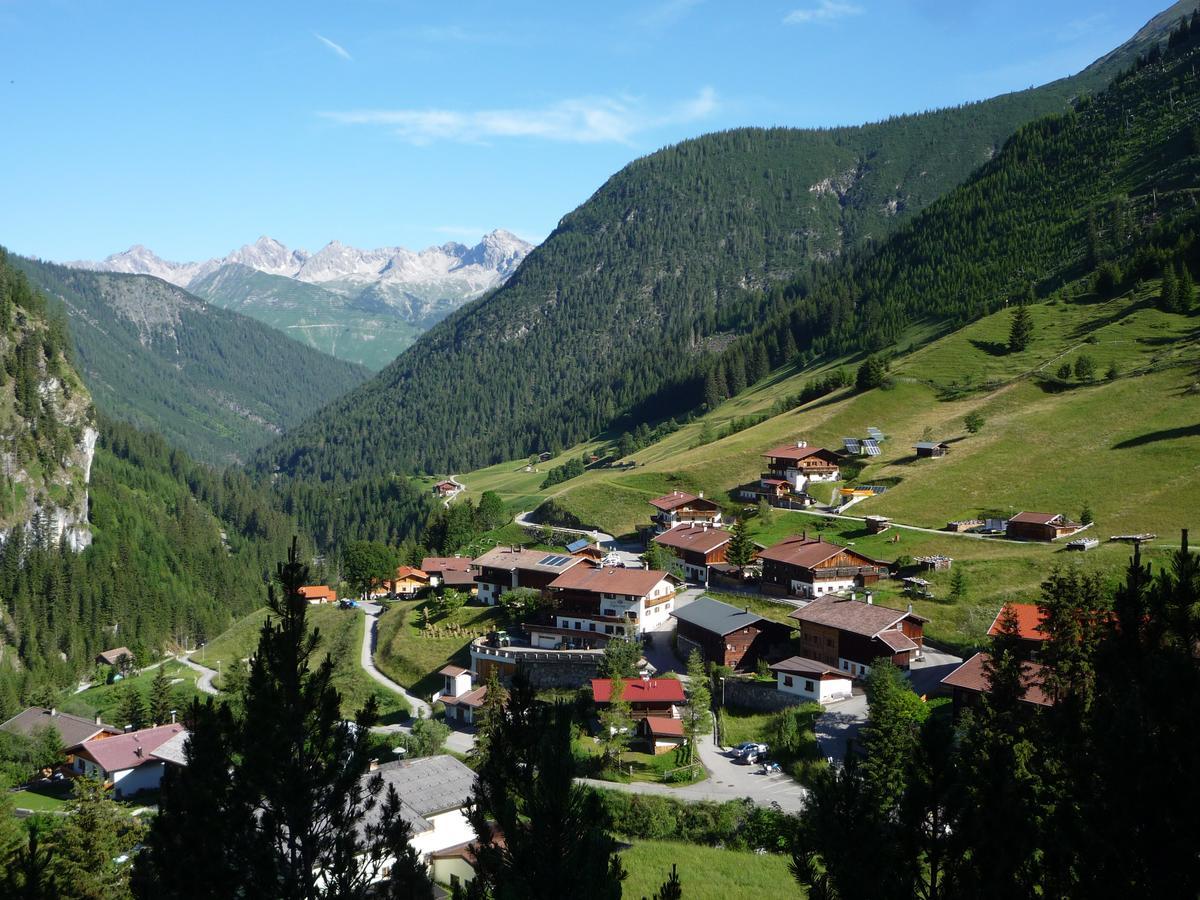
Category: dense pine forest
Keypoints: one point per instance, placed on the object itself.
(615, 319)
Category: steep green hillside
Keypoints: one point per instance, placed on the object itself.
(620, 311)
(333, 323)
(214, 382)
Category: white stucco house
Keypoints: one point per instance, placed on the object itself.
(128, 762)
(811, 680)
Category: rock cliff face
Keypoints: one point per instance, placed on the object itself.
(47, 422)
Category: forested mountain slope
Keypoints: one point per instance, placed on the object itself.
(619, 313)
(214, 382)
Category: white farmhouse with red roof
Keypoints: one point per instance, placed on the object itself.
(128, 762)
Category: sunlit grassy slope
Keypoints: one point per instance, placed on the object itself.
(1128, 447)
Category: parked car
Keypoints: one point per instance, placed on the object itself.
(348, 604)
(741, 748)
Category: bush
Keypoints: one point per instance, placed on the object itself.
(738, 824)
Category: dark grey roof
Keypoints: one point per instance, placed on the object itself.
(72, 729)
(715, 616)
(426, 786)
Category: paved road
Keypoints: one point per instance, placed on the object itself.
(461, 487)
(842, 722)
(204, 682)
(599, 537)
(370, 637)
(726, 781)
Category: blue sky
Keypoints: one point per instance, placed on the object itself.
(196, 127)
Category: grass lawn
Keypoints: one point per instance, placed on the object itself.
(105, 700)
(412, 656)
(38, 801)
(749, 725)
(707, 873)
(646, 766)
(341, 633)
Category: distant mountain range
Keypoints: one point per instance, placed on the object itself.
(209, 380)
(362, 306)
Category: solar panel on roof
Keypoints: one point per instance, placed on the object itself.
(871, 448)
(851, 445)
(555, 560)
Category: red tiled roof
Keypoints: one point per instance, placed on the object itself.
(701, 538)
(610, 580)
(970, 676)
(1029, 621)
(318, 592)
(655, 690)
(1036, 518)
(126, 751)
(662, 726)
(473, 698)
(452, 671)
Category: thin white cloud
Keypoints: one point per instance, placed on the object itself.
(824, 11)
(336, 48)
(584, 120)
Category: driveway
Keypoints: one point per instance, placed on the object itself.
(370, 637)
(726, 781)
(205, 682)
(841, 722)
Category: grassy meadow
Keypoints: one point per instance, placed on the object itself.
(707, 873)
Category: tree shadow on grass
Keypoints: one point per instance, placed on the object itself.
(992, 348)
(1152, 437)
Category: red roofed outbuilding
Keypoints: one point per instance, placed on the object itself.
(645, 696)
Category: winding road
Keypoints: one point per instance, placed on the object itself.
(599, 537)
(204, 682)
(370, 639)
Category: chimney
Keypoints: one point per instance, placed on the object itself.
(747, 609)
(128, 728)
(870, 599)
(910, 609)
(172, 717)
(98, 722)
(372, 765)
(804, 535)
(701, 495)
(139, 752)
(53, 711)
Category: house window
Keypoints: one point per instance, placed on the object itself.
(787, 680)
(808, 686)
(845, 665)
(608, 629)
(591, 626)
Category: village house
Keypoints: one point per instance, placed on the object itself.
(645, 696)
(71, 729)
(798, 463)
(728, 636)
(811, 679)
(1029, 627)
(434, 792)
(931, 449)
(604, 602)
(459, 695)
(456, 572)
(318, 593)
(1036, 526)
(445, 489)
(800, 567)
(120, 658)
(697, 547)
(408, 582)
(851, 634)
(503, 568)
(682, 508)
(128, 762)
(660, 734)
(969, 682)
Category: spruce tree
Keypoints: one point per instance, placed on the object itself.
(1020, 331)
(1185, 289)
(1168, 292)
(95, 834)
(740, 550)
(132, 711)
(160, 697)
(697, 720)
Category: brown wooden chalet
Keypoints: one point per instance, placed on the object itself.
(697, 547)
(1029, 627)
(606, 601)
(804, 567)
(728, 636)
(682, 508)
(969, 682)
(503, 568)
(798, 463)
(1036, 526)
(851, 634)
